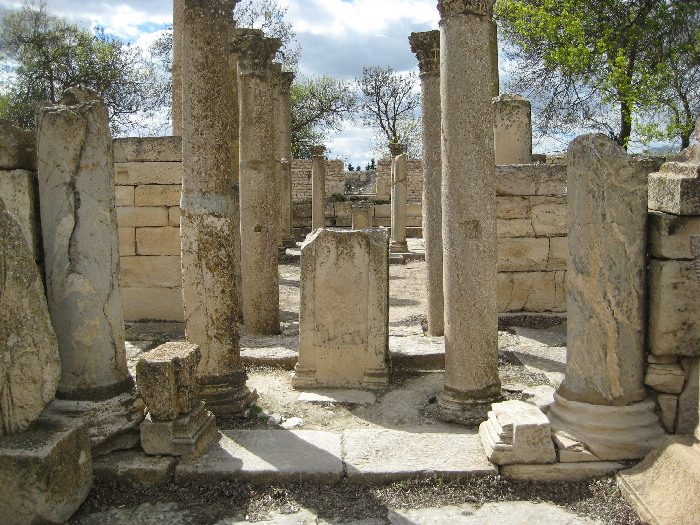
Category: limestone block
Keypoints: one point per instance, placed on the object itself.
(522, 255)
(514, 228)
(558, 254)
(124, 195)
(133, 217)
(17, 147)
(18, 188)
(562, 471)
(340, 209)
(45, 473)
(414, 210)
(513, 207)
(174, 216)
(549, 219)
(343, 338)
(382, 210)
(662, 359)
(668, 405)
(517, 432)
(674, 303)
(158, 241)
(532, 291)
(676, 188)
(687, 419)
(136, 173)
(187, 435)
(665, 378)
(127, 243)
(531, 179)
(570, 450)
(552, 179)
(669, 234)
(148, 149)
(153, 271)
(30, 366)
(160, 304)
(158, 195)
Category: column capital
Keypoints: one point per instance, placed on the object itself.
(253, 48)
(396, 149)
(285, 79)
(469, 7)
(213, 8)
(426, 46)
(318, 151)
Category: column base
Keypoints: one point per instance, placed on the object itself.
(226, 395)
(455, 407)
(398, 247)
(609, 432)
(187, 435)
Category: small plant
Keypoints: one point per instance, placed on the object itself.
(379, 201)
(338, 197)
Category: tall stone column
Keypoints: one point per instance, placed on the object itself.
(259, 139)
(695, 250)
(426, 46)
(176, 67)
(285, 153)
(399, 197)
(512, 131)
(78, 216)
(318, 188)
(469, 210)
(235, 164)
(208, 206)
(602, 401)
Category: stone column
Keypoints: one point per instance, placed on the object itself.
(208, 208)
(78, 216)
(469, 210)
(426, 46)
(318, 188)
(695, 250)
(259, 195)
(176, 67)
(399, 196)
(285, 153)
(512, 130)
(602, 401)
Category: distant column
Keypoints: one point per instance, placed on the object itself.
(259, 139)
(426, 46)
(318, 187)
(285, 108)
(399, 196)
(512, 131)
(176, 67)
(208, 207)
(469, 210)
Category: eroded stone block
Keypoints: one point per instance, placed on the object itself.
(676, 188)
(187, 435)
(17, 147)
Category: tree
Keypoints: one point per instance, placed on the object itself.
(388, 103)
(605, 65)
(319, 106)
(47, 54)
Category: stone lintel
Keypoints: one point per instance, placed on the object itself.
(426, 46)
(465, 7)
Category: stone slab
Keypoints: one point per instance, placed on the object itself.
(348, 397)
(148, 149)
(377, 455)
(668, 235)
(136, 173)
(134, 468)
(562, 471)
(262, 456)
(676, 188)
(281, 356)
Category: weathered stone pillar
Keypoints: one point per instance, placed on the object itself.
(318, 188)
(259, 139)
(426, 46)
(235, 164)
(208, 207)
(695, 250)
(469, 210)
(78, 216)
(176, 67)
(399, 197)
(602, 401)
(512, 130)
(285, 153)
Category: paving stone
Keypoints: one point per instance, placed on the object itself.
(270, 356)
(353, 397)
(417, 351)
(373, 455)
(145, 514)
(561, 471)
(266, 456)
(134, 468)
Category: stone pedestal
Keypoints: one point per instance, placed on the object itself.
(208, 221)
(399, 196)
(285, 153)
(467, 83)
(361, 216)
(426, 46)
(344, 316)
(318, 188)
(187, 435)
(258, 169)
(77, 203)
(602, 401)
(512, 131)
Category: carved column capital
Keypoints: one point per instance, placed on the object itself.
(285, 79)
(396, 149)
(254, 49)
(318, 151)
(426, 46)
(469, 7)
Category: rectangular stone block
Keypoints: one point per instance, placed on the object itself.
(382, 210)
(514, 228)
(187, 435)
(163, 271)
(158, 195)
(342, 209)
(344, 316)
(558, 253)
(674, 303)
(135, 173)
(160, 304)
(19, 192)
(513, 207)
(549, 219)
(414, 210)
(676, 188)
(530, 179)
(158, 241)
(522, 255)
(127, 242)
(174, 216)
(124, 195)
(142, 217)
(669, 235)
(148, 149)
(532, 291)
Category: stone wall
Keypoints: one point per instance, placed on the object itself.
(301, 179)
(414, 167)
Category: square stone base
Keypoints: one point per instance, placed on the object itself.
(45, 472)
(187, 435)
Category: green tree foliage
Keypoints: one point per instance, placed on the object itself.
(621, 67)
(319, 106)
(47, 54)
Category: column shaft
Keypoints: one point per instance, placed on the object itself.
(318, 188)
